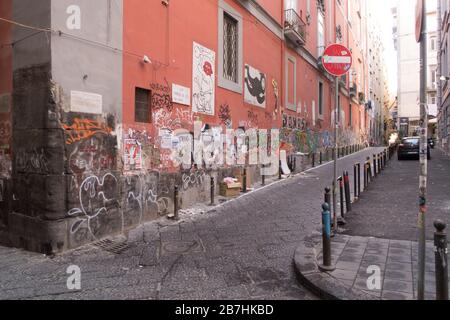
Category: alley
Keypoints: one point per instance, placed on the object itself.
(242, 249)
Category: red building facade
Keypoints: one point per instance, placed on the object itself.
(103, 109)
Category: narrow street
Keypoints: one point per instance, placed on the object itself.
(240, 250)
(389, 208)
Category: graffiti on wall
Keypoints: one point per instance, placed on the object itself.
(82, 129)
(225, 116)
(5, 148)
(31, 160)
(161, 96)
(203, 79)
(255, 87)
(97, 196)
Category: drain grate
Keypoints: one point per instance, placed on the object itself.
(116, 246)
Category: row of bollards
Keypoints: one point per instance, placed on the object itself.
(379, 162)
(323, 156)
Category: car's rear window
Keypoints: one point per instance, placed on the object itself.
(411, 141)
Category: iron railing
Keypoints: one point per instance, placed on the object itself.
(293, 22)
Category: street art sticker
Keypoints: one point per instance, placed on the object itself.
(203, 80)
(82, 129)
(225, 116)
(132, 155)
(255, 87)
(161, 96)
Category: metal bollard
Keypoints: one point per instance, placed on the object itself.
(341, 195)
(176, 202)
(313, 160)
(244, 181)
(380, 167)
(365, 176)
(263, 180)
(295, 164)
(348, 200)
(212, 190)
(327, 197)
(440, 254)
(279, 171)
(355, 181)
(359, 179)
(320, 157)
(326, 239)
(375, 165)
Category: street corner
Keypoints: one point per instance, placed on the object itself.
(362, 268)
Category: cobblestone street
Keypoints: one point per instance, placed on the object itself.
(242, 249)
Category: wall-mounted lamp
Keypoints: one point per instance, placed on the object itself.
(165, 3)
(146, 60)
(443, 78)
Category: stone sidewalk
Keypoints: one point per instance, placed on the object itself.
(357, 260)
(381, 233)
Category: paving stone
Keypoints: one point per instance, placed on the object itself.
(398, 275)
(398, 286)
(392, 295)
(343, 274)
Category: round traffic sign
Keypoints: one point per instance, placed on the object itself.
(337, 60)
(419, 19)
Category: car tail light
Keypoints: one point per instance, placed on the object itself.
(401, 145)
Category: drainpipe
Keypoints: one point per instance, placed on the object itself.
(438, 71)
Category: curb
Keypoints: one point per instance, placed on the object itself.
(321, 283)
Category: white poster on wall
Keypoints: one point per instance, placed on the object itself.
(181, 95)
(203, 79)
(86, 102)
(255, 87)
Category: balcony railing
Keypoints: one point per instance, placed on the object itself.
(294, 27)
(361, 97)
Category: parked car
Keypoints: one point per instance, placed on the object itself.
(410, 148)
(431, 143)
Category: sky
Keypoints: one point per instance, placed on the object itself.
(384, 16)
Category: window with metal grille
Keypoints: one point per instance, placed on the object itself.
(230, 48)
(142, 105)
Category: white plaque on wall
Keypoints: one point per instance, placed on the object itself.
(86, 102)
(181, 95)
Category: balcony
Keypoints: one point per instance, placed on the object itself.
(294, 27)
(361, 98)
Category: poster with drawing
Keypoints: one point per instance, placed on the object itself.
(133, 155)
(255, 87)
(203, 80)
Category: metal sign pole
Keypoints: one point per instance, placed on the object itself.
(336, 127)
(423, 156)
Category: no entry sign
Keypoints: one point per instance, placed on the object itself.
(337, 60)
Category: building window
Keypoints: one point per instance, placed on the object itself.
(433, 43)
(230, 48)
(291, 83)
(142, 105)
(320, 33)
(432, 98)
(433, 78)
(320, 99)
